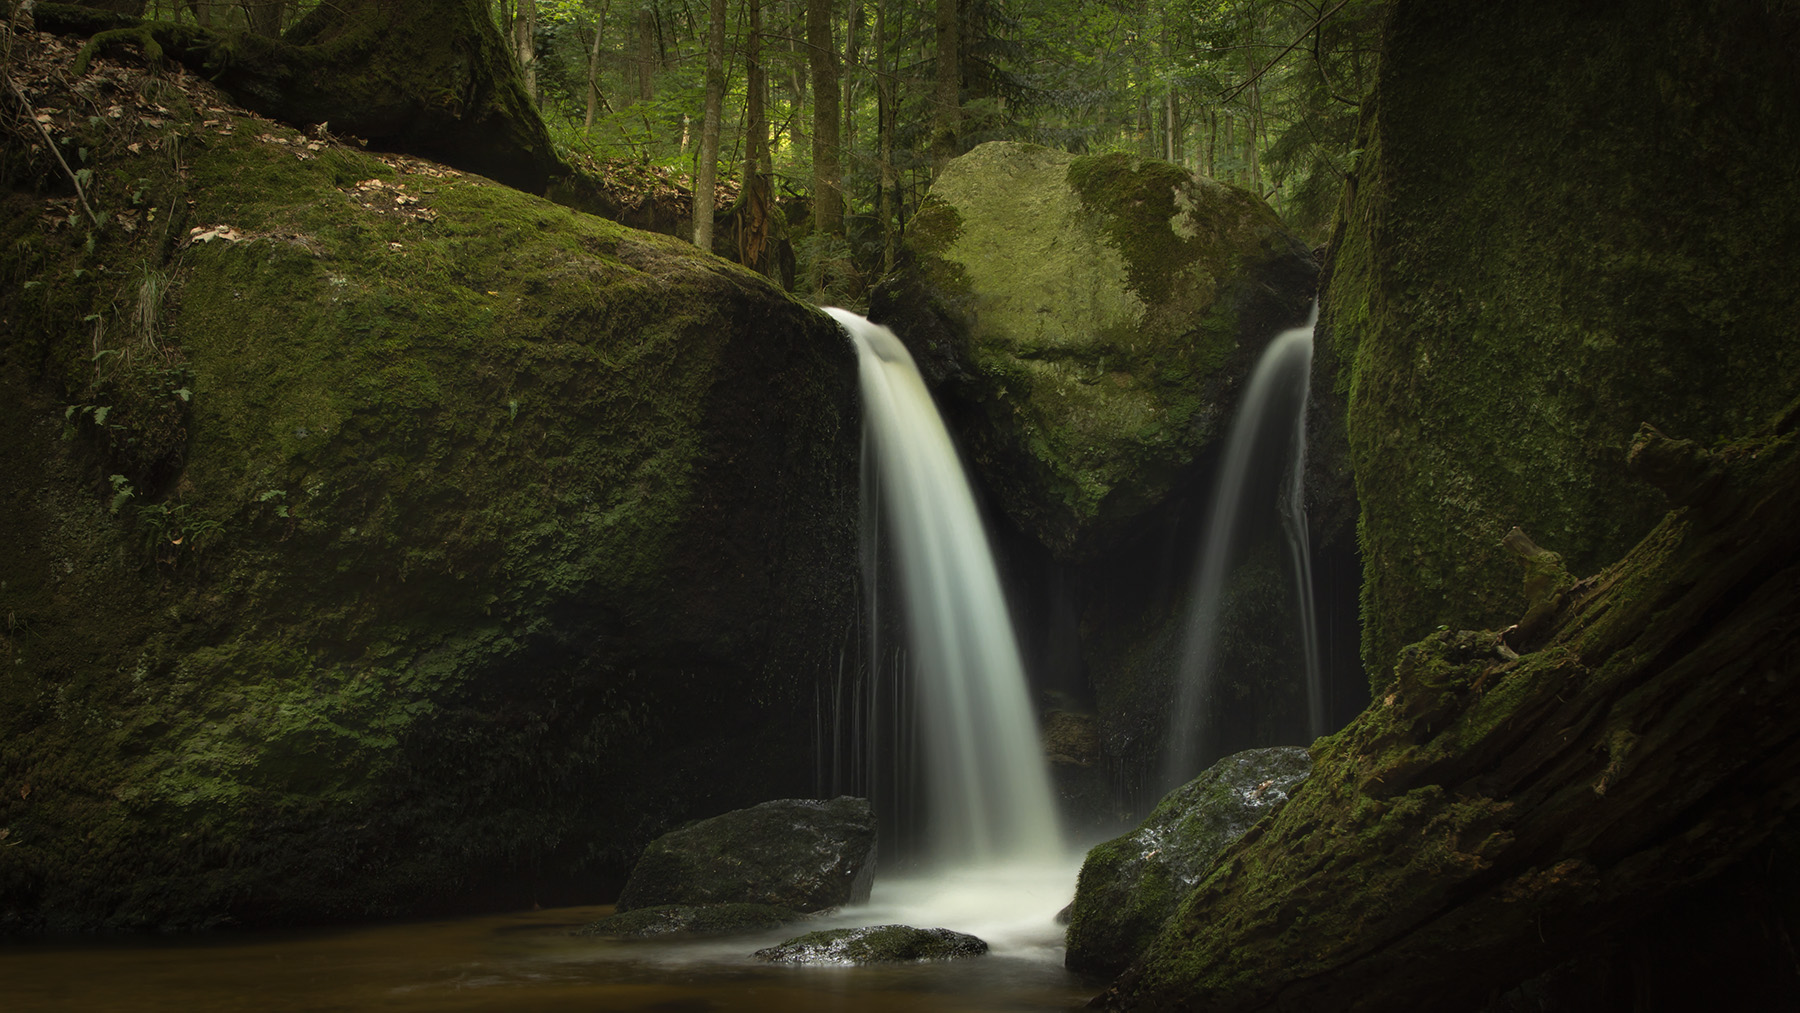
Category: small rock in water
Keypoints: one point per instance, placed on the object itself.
(874, 944)
(692, 920)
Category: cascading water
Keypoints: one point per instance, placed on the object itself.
(1276, 395)
(988, 792)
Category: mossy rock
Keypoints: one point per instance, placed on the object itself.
(801, 854)
(877, 944)
(1507, 308)
(691, 920)
(493, 541)
(1131, 885)
(1086, 322)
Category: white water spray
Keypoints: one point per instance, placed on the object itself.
(1284, 371)
(988, 793)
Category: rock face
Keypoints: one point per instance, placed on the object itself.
(1085, 322)
(691, 920)
(795, 853)
(1506, 309)
(877, 944)
(1130, 886)
(413, 539)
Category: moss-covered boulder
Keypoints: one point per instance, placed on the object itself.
(875, 944)
(691, 920)
(801, 854)
(1086, 322)
(381, 538)
(1130, 886)
(428, 77)
(1508, 303)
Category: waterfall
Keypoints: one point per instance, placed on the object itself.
(1276, 395)
(987, 784)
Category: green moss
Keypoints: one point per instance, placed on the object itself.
(478, 478)
(1512, 308)
(1096, 309)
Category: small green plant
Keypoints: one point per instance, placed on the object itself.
(270, 495)
(121, 486)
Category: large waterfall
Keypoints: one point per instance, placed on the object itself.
(987, 792)
(1275, 397)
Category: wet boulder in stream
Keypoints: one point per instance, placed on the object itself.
(801, 854)
(1130, 885)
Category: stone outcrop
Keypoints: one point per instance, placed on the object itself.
(1131, 885)
(1086, 321)
(380, 538)
(1505, 308)
(799, 854)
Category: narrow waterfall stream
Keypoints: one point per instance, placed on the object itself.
(1275, 397)
(987, 797)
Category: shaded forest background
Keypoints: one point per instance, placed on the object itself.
(840, 111)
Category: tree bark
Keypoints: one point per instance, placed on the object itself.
(524, 39)
(828, 205)
(884, 131)
(706, 179)
(948, 95)
(1512, 798)
(594, 98)
(754, 221)
(646, 56)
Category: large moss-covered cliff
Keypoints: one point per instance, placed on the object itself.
(380, 537)
(1565, 220)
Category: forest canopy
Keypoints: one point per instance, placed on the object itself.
(846, 108)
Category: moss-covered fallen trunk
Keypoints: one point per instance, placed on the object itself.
(1512, 797)
(427, 77)
(381, 538)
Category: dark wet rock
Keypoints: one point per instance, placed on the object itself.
(684, 919)
(1130, 886)
(802, 854)
(874, 944)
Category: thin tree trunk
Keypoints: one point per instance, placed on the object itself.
(706, 183)
(524, 40)
(828, 207)
(646, 56)
(884, 133)
(593, 73)
(753, 223)
(949, 84)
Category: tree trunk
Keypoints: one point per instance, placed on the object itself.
(646, 55)
(754, 224)
(594, 98)
(884, 135)
(524, 39)
(705, 183)
(948, 96)
(1512, 799)
(828, 206)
